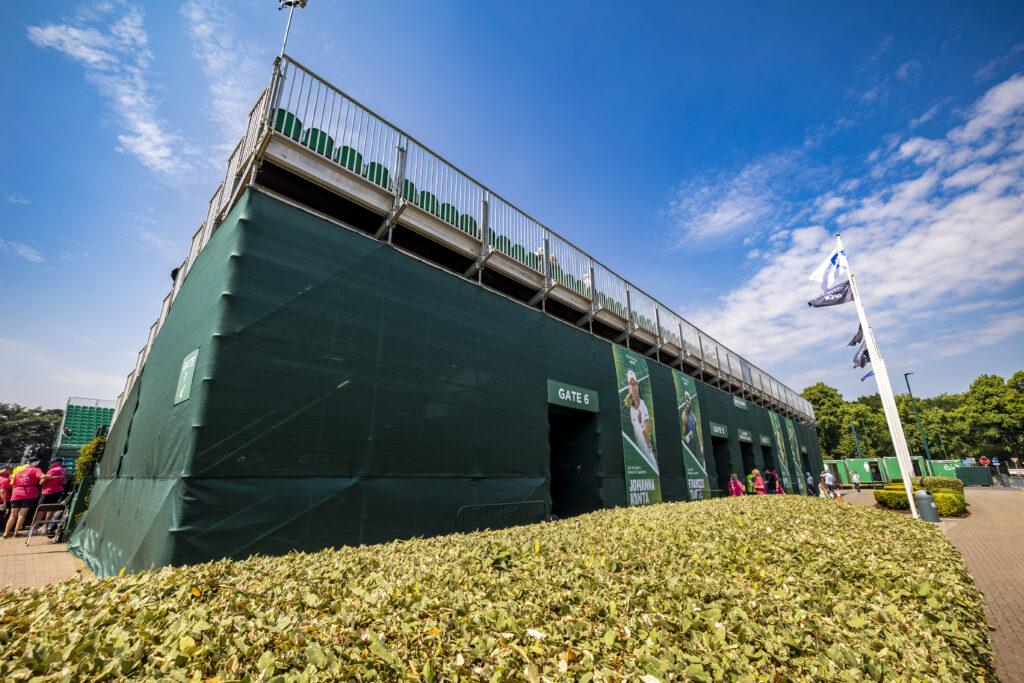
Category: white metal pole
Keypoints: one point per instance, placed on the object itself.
(892, 415)
(291, 11)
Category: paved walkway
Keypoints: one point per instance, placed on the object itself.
(991, 540)
(36, 565)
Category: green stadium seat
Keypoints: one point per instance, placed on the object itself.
(349, 158)
(287, 123)
(468, 224)
(428, 202)
(532, 260)
(318, 141)
(518, 253)
(503, 244)
(449, 214)
(377, 173)
(409, 191)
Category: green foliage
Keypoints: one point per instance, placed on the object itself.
(934, 484)
(22, 427)
(946, 502)
(89, 455)
(986, 420)
(688, 591)
(949, 503)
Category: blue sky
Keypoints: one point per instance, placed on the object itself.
(706, 152)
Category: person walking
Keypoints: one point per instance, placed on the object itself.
(5, 492)
(750, 483)
(758, 483)
(855, 480)
(811, 489)
(735, 487)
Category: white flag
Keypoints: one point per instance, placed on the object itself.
(834, 269)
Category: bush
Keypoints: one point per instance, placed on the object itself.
(942, 484)
(89, 455)
(682, 591)
(948, 503)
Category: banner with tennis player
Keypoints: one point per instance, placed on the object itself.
(782, 461)
(794, 449)
(694, 465)
(639, 451)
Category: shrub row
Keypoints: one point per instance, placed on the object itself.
(754, 588)
(946, 502)
(942, 484)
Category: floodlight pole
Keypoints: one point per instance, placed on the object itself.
(892, 415)
(290, 4)
(927, 453)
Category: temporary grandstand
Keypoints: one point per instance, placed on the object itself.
(83, 417)
(366, 343)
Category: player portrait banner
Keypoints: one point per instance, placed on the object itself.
(780, 444)
(697, 481)
(794, 447)
(639, 451)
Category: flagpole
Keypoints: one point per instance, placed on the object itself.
(892, 415)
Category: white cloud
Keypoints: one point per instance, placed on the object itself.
(18, 199)
(116, 59)
(25, 251)
(925, 117)
(152, 241)
(908, 70)
(989, 70)
(936, 226)
(236, 76)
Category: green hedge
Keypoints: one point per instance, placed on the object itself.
(946, 502)
(752, 588)
(942, 484)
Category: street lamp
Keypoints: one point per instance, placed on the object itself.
(927, 454)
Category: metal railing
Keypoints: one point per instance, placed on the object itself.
(301, 106)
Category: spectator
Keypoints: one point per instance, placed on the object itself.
(830, 483)
(758, 483)
(812, 490)
(735, 487)
(773, 480)
(855, 480)
(778, 486)
(750, 483)
(5, 492)
(24, 497)
(53, 485)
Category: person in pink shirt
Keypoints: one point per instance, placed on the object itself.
(24, 496)
(5, 491)
(735, 487)
(53, 485)
(758, 483)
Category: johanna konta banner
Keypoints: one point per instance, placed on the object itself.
(697, 481)
(794, 447)
(639, 451)
(781, 459)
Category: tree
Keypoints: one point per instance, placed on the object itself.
(995, 414)
(22, 428)
(830, 411)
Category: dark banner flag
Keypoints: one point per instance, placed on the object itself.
(860, 359)
(857, 338)
(840, 294)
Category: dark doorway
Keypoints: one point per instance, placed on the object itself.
(876, 472)
(769, 462)
(806, 461)
(834, 469)
(917, 467)
(723, 463)
(572, 437)
(747, 455)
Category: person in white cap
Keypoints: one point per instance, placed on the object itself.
(638, 414)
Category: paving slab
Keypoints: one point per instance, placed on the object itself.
(36, 565)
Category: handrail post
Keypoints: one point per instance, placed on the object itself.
(661, 340)
(485, 239)
(629, 316)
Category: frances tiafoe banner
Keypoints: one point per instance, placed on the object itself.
(780, 458)
(794, 448)
(639, 451)
(697, 481)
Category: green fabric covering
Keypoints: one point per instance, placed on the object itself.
(345, 393)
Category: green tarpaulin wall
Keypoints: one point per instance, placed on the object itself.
(347, 393)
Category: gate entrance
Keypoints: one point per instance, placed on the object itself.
(572, 438)
(723, 464)
(747, 455)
